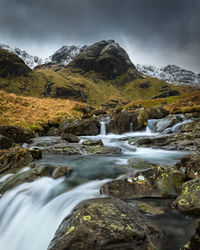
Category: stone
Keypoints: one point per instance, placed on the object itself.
(157, 182)
(17, 134)
(71, 138)
(166, 122)
(92, 143)
(53, 132)
(60, 171)
(98, 149)
(82, 127)
(157, 112)
(189, 199)
(5, 142)
(121, 122)
(147, 209)
(106, 224)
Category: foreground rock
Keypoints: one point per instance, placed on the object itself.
(17, 134)
(190, 164)
(16, 158)
(106, 224)
(71, 138)
(33, 172)
(125, 121)
(189, 200)
(5, 142)
(194, 243)
(156, 182)
(82, 127)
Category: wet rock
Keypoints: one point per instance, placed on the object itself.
(190, 164)
(17, 134)
(166, 122)
(63, 149)
(194, 243)
(98, 149)
(82, 127)
(60, 171)
(106, 224)
(121, 122)
(189, 200)
(156, 182)
(71, 138)
(46, 141)
(14, 158)
(139, 164)
(92, 143)
(5, 142)
(157, 112)
(53, 132)
(147, 209)
(36, 153)
(192, 127)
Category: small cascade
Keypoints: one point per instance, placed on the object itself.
(131, 127)
(103, 128)
(48, 89)
(177, 127)
(151, 125)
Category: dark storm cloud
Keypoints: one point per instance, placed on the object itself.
(171, 25)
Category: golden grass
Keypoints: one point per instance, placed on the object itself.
(33, 113)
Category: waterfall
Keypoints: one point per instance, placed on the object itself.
(150, 125)
(31, 212)
(177, 127)
(131, 127)
(103, 128)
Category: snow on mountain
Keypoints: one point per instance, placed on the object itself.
(171, 74)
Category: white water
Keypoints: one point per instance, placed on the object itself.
(31, 213)
(103, 128)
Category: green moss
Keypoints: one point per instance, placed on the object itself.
(70, 230)
(86, 218)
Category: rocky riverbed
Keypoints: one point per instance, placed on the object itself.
(135, 186)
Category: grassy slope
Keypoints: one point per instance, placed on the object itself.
(32, 113)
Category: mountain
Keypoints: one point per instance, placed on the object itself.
(171, 74)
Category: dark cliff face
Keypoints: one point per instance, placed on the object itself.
(107, 59)
(12, 65)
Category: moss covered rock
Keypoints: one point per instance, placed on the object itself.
(194, 243)
(106, 224)
(156, 182)
(5, 142)
(189, 199)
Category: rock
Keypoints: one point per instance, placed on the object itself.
(71, 138)
(139, 164)
(63, 149)
(121, 122)
(46, 141)
(36, 153)
(60, 171)
(156, 182)
(82, 127)
(70, 93)
(189, 200)
(99, 112)
(194, 242)
(5, 142)
(157, 112)
(166, 122)
(17, 134)
(12, 65)
(190, 164)
(92, 143)
(107, 59)
(106, 224)
(167, 94)
(53, 132)
(147, 209)
(192, 127)
(14, 158)
(102, 150)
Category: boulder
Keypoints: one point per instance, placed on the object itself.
(14, 158)
(98, 149)
(17, 134)
(82, 127)
(157, 112)
(53, 132)
(139, 164)
(92, 143)
(190, 164)
(106, 224)
(62, 149)
(46, 141)
(166, 122)
(5, 142)
(147, 209)
(192, 127)
(107, 59)
(167, 94)
(71, 138)
(189, 200)
(157, 182)
(121, 122)
(195, 240)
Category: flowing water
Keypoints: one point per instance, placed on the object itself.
(31, 212)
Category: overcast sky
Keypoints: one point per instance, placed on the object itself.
(157, 32)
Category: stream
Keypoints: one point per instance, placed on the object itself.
(31, 212)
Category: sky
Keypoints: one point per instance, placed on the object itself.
(157, 32)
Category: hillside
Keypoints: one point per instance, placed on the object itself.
(34, 113)
(100, 74)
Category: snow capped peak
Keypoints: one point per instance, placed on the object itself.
(171, 74)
